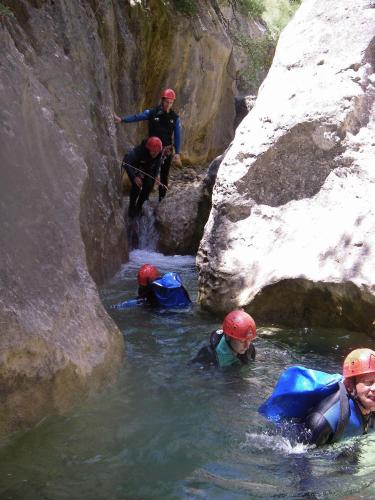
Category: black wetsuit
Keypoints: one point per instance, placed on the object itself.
(147, 294)
(147, 168)
(208, 356)
(163, 125)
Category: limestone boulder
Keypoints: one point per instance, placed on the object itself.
(291, 234)
(181, 216)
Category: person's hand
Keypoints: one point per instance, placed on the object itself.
(177, 160)
(138, 181)
(116, 118)
(168, 150)
(157, 179)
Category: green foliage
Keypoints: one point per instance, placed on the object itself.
(187, 7)
(278, 13)
(5, 11)
(252, 8)
(260, 52)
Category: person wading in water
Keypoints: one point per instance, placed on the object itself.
(230, 345)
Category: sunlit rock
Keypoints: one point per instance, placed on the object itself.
(291, 234)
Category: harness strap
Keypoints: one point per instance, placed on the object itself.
(344, 414)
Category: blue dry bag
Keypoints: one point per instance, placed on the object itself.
(297, 390)
(169, 291)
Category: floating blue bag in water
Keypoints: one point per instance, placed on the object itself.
(297, 390)
(169, 291)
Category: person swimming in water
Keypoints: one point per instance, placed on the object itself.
(232, 344)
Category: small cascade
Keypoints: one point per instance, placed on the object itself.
(147, 233)
(142, 233)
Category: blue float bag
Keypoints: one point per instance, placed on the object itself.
(169, 291)
(297, 390)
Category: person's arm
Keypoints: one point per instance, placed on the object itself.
(205, 357)
(319, 431)
(137, 117)
(132, 118)
(128, 303)
(177, 141)
(130, 160)
(177, 136)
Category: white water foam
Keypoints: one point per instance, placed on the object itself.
(275, 443)
(163, 262)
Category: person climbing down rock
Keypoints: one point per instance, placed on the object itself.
(142, 165)
(164, 123)
(231, 345)
(330, 407)
(164, 291)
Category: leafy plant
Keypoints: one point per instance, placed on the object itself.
(260, 52)
(5, 11)
(187, 7)
(252, 8)
(278, 13)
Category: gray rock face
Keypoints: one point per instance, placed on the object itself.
(291, 234)
(181, 217)
(60, 215)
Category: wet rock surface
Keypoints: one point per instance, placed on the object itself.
(291, 230)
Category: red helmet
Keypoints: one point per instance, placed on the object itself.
(154, 144)
(168, 94)
(239, 325)
(146, 274)
(359, 362)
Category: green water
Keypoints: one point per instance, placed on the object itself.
(170, 430)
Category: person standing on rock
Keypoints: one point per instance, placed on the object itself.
(231, 345)
(164, 123)
(142, 164)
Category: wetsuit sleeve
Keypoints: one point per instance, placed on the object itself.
(130, 159)
(136, 118)
(319, 431)
(248, 356)
(146, 293)
(205, 357)
(177, 136)
(251, 352)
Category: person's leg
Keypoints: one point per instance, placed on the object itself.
(147, 186)
(164, 175)
(133, 197)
